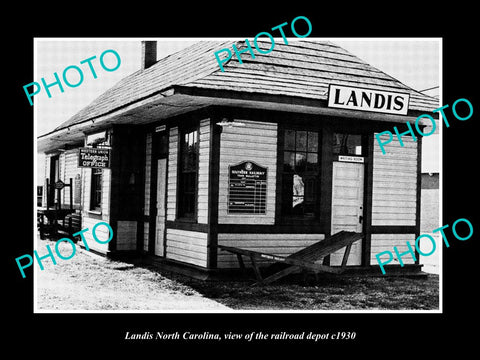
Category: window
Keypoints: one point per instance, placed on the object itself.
(96, 194)
(100, 140)
(347, 144)
(188, 169)
(300, 173)
(52, 194)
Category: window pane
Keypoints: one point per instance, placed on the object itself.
(194, 140)
(300, 172)
(308, 209)
(188, 175)
(300, 162)
(287, 188)
(310, 189)
(289, 140)
(297, 205)
(301, 141)
(312, 162)
(288, 161)
(96, 195)
(298, 186)
(312, 141)
(347, 144)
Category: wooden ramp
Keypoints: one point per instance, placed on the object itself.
(304, 259)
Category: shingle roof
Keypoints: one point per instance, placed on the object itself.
(303, 68)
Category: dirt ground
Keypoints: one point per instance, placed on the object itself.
(87, 282)
(90, 282)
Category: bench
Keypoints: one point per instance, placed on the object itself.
(305, 259)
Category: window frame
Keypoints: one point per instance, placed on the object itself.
(94, 206)
(282, 215)
(341, 153)
(181, 215)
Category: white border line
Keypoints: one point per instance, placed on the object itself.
(333, 39)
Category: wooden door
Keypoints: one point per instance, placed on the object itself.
(347, 206)
(160, 216)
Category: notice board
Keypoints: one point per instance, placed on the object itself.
(247, 188)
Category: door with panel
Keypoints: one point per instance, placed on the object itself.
(347, 206)
(159, 192)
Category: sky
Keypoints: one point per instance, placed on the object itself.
(415, 62)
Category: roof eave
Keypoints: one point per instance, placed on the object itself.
(182, 99)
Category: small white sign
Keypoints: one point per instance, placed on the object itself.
(353, 98)
(357, 159)
(160, 128)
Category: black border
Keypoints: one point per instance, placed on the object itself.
(410, 333)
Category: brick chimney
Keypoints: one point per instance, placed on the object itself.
(149, 54)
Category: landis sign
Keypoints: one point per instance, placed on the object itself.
(347, 97)
(94, 158)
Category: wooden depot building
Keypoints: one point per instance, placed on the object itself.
(269, 155)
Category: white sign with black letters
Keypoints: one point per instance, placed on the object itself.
(353, 98)
(356, 159)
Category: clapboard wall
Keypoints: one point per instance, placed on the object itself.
(187, 246)
(83, 218)
(203, 171)
(257, 142)
(172, 174)
(89, 217)
(275, 244)
(148, 176)
(395, 183)
(394, 196)
(386, 242)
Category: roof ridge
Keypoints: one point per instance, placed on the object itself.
(197, 62)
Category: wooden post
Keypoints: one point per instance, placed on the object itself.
(48, 192)
(281, 274)
(71, 195)
(346, 254)
(258, 275)
(240, 261)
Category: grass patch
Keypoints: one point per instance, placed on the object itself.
(329, 293)
(90, 283)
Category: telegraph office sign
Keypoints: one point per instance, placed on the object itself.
(353, 98)
(94, 158)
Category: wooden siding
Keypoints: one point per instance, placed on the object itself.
(395, 183)
(172, 174)
(148, 169)
(69, 169)
(386, 242)
(203, 171)
(126, 235)
(101, 232)
(255, 142)
(187, 246)
(275, 244)
(146, 235)
(86, 186)
(45, 175)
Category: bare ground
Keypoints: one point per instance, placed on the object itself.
(88, 282)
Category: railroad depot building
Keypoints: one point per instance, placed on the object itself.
(271, 155)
